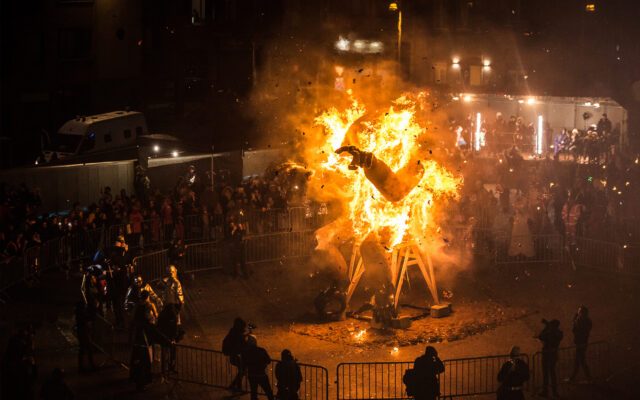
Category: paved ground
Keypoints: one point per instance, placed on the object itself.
(278, 300)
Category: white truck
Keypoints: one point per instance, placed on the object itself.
(106, 137)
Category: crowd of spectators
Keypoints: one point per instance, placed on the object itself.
(547, 197)
(593, 144)
(150, 218)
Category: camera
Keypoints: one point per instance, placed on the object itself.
(251, 327)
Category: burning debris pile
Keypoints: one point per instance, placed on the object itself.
(470, 319)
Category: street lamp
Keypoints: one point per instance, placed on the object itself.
(396, 8)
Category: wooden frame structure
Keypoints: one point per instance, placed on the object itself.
(403, 256)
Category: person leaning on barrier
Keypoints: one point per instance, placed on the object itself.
(581, 331)
(144, 334)
(256, 360)
(512, 376)
(133, 294)
(289, 376)
(172, 290)
(233, 346)
(551, 336)
(423, 382)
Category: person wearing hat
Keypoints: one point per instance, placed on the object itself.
(551, 336)
(289, 376)
(256, 360)
(512, 376)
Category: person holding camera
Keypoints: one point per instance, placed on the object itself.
(512, 376)
(256, 360)
(551, 336)
(423, 383)
(233, 346)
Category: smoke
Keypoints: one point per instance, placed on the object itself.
(299, 82)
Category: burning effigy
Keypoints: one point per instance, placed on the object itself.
(377, 163)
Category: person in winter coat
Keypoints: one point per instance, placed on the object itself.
(289, 377)
(256, 360)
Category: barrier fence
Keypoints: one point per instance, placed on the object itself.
(597, 359)
(383, 380)
(212, 368)
(516, 249)
(216, 254)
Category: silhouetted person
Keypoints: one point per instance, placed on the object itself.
(233, 346)
(168, 328)
(172, 290)
(289, 377)
(551, 336)
(85, 317)
(55, 388)
(512, 376)
(144, 332)
(426, 368)
(256, 360)
(581, 330)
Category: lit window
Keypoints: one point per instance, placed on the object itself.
(590, 7)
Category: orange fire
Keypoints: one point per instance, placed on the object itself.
(396, 137)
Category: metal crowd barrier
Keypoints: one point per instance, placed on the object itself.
(152, 266)
(212, 368)
(597, 255)
(597, 359)
(547, 249)
(278, 246)
(204, 256)
(383, 380)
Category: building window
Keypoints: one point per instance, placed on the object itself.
(74, 43)
(127, 133)
(107, 138)
(138, 131)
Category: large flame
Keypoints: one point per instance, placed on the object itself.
(393, 136)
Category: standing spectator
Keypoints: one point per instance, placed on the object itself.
(172, 291)
(581, 331)
(233, 346)
(289, 377)
(512, 376)
(167, 220)
(84, 330)
(135, 225)
(168, 328)
(238, 262)
(551, 336)
(256, 360)
(55, 388)
(144, 321)
(177, 252)
(425, 382)
(134, 293)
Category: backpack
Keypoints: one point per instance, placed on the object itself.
(410, 381)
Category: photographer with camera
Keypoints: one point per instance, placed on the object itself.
(233, 345)
(423, 382)
(512, 376)
(551, 336)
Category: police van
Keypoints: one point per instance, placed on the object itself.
(101, 134)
